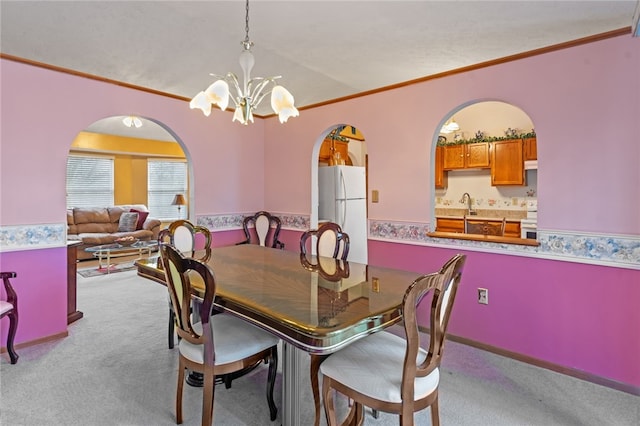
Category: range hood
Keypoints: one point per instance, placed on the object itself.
(531, 165)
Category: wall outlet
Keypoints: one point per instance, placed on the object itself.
(483, 296)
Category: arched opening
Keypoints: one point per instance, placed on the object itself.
(485, 167)
(114, 164)
(339, 185)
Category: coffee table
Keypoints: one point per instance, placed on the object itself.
(105, 253)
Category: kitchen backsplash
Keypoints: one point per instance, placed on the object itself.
(477, 183)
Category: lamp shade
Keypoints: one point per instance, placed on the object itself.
(179, 200)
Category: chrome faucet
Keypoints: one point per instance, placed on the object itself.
(470, 211)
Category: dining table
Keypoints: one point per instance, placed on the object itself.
(293, 297)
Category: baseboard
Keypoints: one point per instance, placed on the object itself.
(579, 374)
(39, 341)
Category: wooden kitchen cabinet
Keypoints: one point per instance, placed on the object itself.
(530, 149)
(511, 228)
(325, 151)
(440, 174)
(507, 163)
(449, 225)
(467, 156)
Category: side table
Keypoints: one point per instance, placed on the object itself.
(72, 313)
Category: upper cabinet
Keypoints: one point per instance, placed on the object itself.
(507, 163)
(466, 156)
(440, 174)
(331, 157)
(530, 149)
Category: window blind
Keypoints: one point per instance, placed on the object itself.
(89, 181)
(165, 179)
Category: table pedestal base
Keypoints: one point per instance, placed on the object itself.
(291, 383)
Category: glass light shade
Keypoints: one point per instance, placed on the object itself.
(282, 103)
(218, 94)
(450, 127)
(201, 102)
(243, 114)
(131, 121)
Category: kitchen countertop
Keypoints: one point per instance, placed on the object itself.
(485, 238)
(482, 214)
(477, 218)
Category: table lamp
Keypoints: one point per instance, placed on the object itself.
(179, 201)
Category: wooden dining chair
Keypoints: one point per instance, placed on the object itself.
(330, 242)
(212, 345)
(9, 308)
(484, 228)
(391, 373)
(188, 239)
(263, 229)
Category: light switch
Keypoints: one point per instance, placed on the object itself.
(374, 196)
(375, 285)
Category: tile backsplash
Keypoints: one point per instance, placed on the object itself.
(484, 196)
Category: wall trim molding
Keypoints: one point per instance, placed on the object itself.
(231, 221)
(619, 251)
(573, 372)
(39, 341)
(32, 237)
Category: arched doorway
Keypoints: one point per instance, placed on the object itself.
(132, 148)
(339, 177)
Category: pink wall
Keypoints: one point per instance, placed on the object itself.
(582, 317)
(41, 285)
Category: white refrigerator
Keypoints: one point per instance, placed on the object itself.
(342, 198)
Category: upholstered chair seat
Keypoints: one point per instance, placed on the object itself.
(235, 340)
(381, 375)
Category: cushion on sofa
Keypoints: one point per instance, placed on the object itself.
(91, 215)
(96, 238)
(128, 222)
(142, 216)
(105, 228)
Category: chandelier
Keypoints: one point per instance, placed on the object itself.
(250, 94)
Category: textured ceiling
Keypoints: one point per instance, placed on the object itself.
(323, 49)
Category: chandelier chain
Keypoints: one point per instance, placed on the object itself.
(250, 93)
(247, 43)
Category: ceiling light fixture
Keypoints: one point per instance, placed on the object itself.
(450, 127)
(250, 94)
(132, 120)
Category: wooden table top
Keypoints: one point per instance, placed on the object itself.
(316, 311)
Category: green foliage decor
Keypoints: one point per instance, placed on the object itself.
(480, 137)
